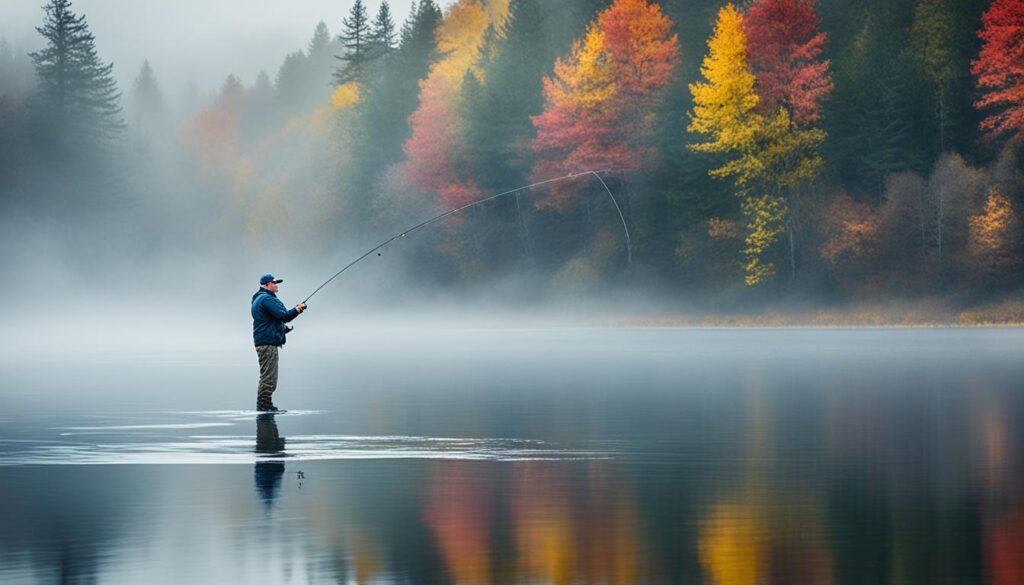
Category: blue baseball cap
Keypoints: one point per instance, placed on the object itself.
(268, 277)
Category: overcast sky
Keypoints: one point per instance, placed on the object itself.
(192, 40)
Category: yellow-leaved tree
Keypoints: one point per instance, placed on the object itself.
(994, 239)
(725, 109)
(769, 155)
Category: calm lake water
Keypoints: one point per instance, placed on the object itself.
(524, 456)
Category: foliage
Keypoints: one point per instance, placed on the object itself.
(600, 101)
(995, 239)
(998, 67)
(74, 84)
(785, 44)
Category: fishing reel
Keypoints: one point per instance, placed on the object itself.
(288, 329)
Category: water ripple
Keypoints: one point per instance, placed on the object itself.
(238, 449)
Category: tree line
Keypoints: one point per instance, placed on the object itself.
(832, 149)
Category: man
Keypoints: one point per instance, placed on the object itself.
(268, 333)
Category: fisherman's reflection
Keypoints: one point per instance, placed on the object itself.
(269, 467)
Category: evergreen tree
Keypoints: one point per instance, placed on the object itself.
(380, 125)
(383, 38)
(321, 39)
(355, 39)
(873, 118)
(290, 80)
(933, 47)
(76, 90)
(147, 105)
(407, 27)
(146, 94)
(498, 122)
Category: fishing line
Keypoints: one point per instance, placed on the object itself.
(400, 235)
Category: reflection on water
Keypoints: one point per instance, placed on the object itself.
(269, 467)
(772, 472)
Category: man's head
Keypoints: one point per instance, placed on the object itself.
(268, 282)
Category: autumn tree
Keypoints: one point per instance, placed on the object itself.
(600, 101)
(433, 162)
(785, 46)
(850, 230)
(725, 110)
(994, 244)
(1000, 77)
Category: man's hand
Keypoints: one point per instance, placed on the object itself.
(300, 307)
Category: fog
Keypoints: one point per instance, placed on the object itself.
(140, 206)
(190, 41)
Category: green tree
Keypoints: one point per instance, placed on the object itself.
(76, 90)
(146, 93)
(383, 38)
(873, 128)
(355, 40)
(380, 124)
(933, 47)
(147, 106)
(498, 121)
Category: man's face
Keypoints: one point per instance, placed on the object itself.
(271, 286)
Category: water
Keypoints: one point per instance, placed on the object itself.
(523, 456)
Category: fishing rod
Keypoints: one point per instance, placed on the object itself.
(436, 218)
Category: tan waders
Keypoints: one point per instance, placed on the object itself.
(268, 355)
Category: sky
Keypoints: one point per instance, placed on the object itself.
(192, 41)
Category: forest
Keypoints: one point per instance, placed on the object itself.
(829, 152)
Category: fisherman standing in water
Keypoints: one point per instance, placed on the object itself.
(268, 333)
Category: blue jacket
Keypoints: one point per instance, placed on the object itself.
(269, 317)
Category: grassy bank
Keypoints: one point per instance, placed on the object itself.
(927, 313)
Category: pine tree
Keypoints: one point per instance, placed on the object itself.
(380, 125)
(498, 123)
(290, 80)
(146, 94)
(147, 106)
(872, 117)
(321, 39)
(933, 45)
(383, 39)
(75, 88)
(354, 37)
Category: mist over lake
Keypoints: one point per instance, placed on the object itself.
(512, 291)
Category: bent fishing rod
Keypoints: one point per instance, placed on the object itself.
(453, 211)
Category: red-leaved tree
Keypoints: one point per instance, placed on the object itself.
(600, 102)
(1000, 67)
(784, 46)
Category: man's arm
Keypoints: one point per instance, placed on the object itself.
(275, 307)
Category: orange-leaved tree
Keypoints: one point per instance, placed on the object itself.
(600, 101)
(433, 151)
